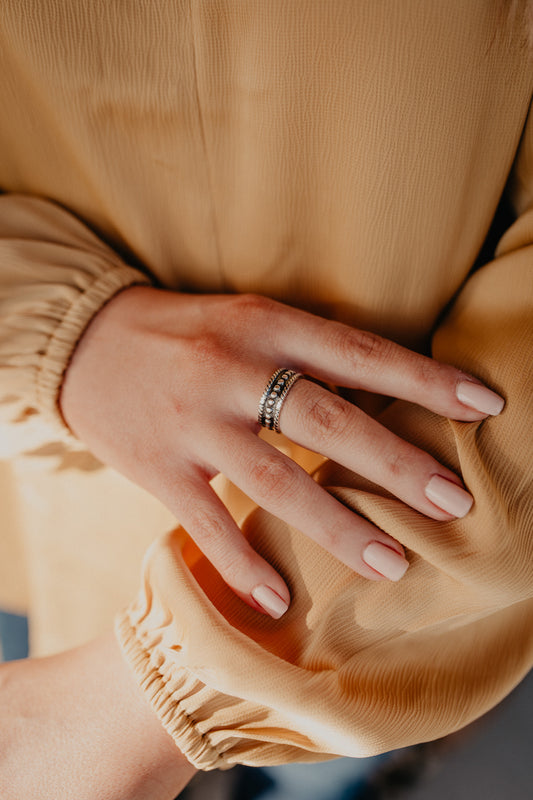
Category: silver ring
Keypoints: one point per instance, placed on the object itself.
(275, 394)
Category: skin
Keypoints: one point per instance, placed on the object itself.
(164, 387)
(77, 725)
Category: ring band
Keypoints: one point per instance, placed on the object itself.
(275, 394)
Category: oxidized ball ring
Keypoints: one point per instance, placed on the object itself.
(275, 394)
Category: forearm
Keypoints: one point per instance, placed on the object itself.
(77, 725)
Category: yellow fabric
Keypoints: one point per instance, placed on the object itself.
(345, 157)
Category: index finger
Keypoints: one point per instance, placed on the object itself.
(358, 359)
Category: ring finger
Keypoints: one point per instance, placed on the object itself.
(326, 423)
(280, 486)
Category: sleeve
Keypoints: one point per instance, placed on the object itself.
(55, 275)
(356, 667)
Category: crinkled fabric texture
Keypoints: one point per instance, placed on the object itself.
(344, 157)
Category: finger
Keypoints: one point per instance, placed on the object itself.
(284, 489)
(208, 522)
(330, 425)
(346, 356)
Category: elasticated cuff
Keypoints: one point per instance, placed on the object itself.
(173, 698)
(68, 333)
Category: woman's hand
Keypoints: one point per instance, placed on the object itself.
(77, 725)
(165, 388)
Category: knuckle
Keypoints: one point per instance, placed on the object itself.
(205, 348)
(250, 304)
(329, 417)
(428, 372)
(333, 537)
(211, 536)
(274, 475)
(207, 528)
(357, 346)
(206, 355)
(366, 344)
(249, 312)
(400, 463)
(236, 565)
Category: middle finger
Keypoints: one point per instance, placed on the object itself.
(326, 423)
(280, 486)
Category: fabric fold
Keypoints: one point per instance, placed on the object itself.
(57, 273)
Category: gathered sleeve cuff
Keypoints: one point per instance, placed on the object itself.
(55, 275)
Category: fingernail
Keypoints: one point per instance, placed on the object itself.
(269, 601)
(385, 560)
(448, 496)
(479, 397)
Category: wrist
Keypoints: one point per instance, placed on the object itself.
(103, 330)
(77, 725)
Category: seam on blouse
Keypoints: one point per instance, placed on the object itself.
(208, 170)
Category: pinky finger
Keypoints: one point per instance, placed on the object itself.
(207, 520)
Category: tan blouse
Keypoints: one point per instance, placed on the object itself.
(345, 156)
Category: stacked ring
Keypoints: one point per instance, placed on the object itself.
(275, 394)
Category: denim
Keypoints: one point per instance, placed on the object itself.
(13, 636)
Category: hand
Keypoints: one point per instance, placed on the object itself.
(77, 725)
(165, 387)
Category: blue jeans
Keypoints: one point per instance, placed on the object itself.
(13, 636)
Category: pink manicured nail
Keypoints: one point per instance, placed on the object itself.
(269, 601)
(385, 560)
(479, 397)
(448, 496)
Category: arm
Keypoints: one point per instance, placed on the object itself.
(356, 667)
(76, 725)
